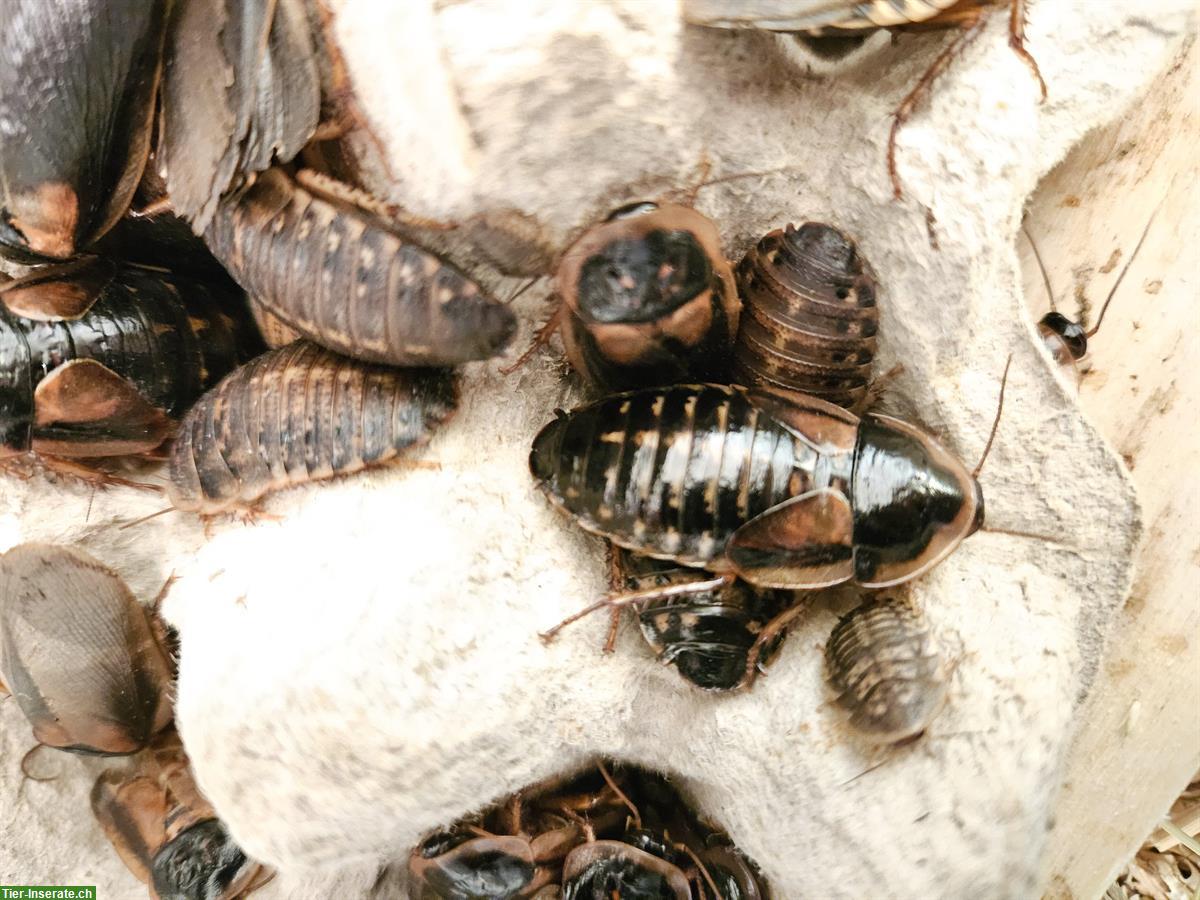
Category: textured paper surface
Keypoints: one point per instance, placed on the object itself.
(368, 667)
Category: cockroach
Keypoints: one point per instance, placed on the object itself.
(605, 869)
(275, 332)
(313, 255)
(648, 298)
(1065, 339)
(887, 670)
(837, 20)
(706, 636)
(809, 318)
(79, 654)
(101, 362)
(167, 833)
(78, 82)
(300, 414)
(782, 490)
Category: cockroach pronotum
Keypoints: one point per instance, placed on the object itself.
(648, 298)
(300, 414)
(837, 20)
(79, 654)
(809, 317)
(100, 362)
(167, 833)
(887, 670)
(312, 255)
(78, 81)
(707, 636)
(1065, 339)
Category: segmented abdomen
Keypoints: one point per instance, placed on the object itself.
(297, 414)
(343, 280)
(809, 318)
(886, 667)
(669, 472)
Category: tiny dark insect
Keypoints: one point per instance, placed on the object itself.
(809, 319)
(300, 414)
(648, 298)
(166, 832)
(844, 23)
(313, 255)
(101, 362)
(78, 81)
(886, 668)
(706, 636)
(79, 653)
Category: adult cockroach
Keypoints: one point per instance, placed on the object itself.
(79, 654)
(314, 256)
(887, 670)
(78, 81)
(300, 414)
(706, 636)
(809, 318)
(101, 361)
(1065, 339)
(817, 20)
(648, 298)
(167, 833)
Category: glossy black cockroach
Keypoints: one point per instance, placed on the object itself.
(167, 833)
(836, 20)
(83, 659)
(886, 669)
(648, 298)
(78, 81)
(602, 869)
(706, 636)
(313, 255)
(1065, 339)
(809, 318)
(101, 362)
(300, 414)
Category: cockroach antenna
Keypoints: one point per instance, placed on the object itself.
(637, 816)
(996, 422)
(1128, 264)
(1037, 254)
(153, 515)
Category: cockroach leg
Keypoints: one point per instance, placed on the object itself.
(334, 191)
(904, 111)
(540, 339)
(637, 816)
(26, 775)
(770, 632)
(614, 624)
(153, 208)
(616, 601)
(1016, 40)
(879, 386)
(78, 471)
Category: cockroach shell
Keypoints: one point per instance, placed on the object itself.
(202, 863)
(812, 16)
(275, 332)
(809, 319)
(886, 668)
(79, 653)
(440, 869)
(736, 877)
(648, 298)
(78, 82)
(132, 812)
(1067, 343)
(340, 276)
(607, 868)
(300, 414)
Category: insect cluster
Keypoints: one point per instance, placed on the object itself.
(624, 833)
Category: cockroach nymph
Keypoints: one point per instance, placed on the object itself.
(845, 22)
(300, 414)
(167, 833)
(648, 298)
(102, 361)
(314, 256)
(809, 317)
(79, 653)
(887, 670)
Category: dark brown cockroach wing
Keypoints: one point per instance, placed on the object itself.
(887, 670)
(78, 652)
(648, 299)
(99, 363)
(708, 635)
(78, 80)
(459, 864)
(809, 319)
(337, 274)
(300, 414)
(241, 91)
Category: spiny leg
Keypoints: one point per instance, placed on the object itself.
(89, 475)
(770, 632)
(540, 338)
(1016, 40)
